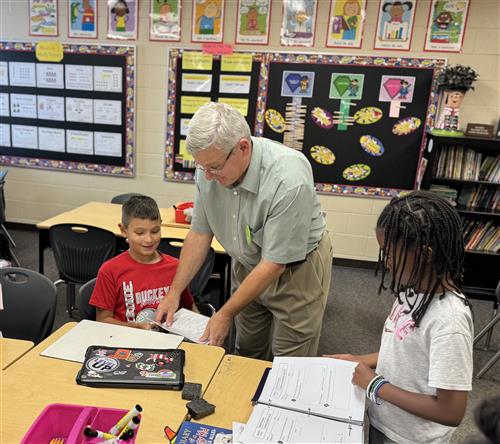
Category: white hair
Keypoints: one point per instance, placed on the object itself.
(216, 125)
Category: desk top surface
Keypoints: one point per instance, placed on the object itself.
(13, 349)
(34, 381)
(232, 389)
(107, 216)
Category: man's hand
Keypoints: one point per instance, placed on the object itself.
(217, 329)
(362, 375)
(167, 308)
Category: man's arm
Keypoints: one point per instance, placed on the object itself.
(194, 251)
(107, 317)
(254, 284)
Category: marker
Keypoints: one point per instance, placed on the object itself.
(175, 208)
(129, 428)
(125, 420)
(91, 433)
(212, 308)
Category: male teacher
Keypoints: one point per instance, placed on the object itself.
(257, 197)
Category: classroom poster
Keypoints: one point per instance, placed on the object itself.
(253, 22)
(446, 25)
(345, 26)
(122, 19)
(395, 24)
(165, 20)
(208, 21)
(82, 19)
(43, 18)
(299, 22)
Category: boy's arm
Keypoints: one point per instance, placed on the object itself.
(369, 359)
(107, 316)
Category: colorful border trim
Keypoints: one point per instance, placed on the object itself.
(83, 167)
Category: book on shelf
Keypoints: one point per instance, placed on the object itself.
(304, 400)
(479, 197)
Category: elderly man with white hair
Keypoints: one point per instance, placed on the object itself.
(257, 197)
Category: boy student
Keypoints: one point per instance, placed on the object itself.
(130, 286)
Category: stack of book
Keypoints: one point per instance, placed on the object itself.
(457, 162)
(450, 194)
(490, 169)
(481, 235)
(480, 197)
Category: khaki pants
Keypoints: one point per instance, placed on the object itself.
(286, 319)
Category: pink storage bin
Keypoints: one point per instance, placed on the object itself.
(68, 421)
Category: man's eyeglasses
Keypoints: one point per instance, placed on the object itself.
(217, 170)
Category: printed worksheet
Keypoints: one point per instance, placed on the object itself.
(4, 73)
(108, 78)
(79, 110)
(4, 105)
(107, 144)
(50, 75)
(230, 84)
(79, 77)
(23, 105)
(196, 82)
(51, 108)
(108, 112)
(80, 142)
(4, 134)
(187, 323)
(24, 136)
(51, 139)
(22, 74)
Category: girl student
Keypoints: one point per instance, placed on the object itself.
(419, 379)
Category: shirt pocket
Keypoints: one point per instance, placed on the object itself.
(257, 237)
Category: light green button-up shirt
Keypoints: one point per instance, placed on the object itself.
(274, 213)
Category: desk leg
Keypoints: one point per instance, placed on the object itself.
(43, 243)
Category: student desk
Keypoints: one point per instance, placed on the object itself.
(34, 381)
(232, 388)
(12, 349)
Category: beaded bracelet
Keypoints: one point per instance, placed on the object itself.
(376, 389)
(370, 385)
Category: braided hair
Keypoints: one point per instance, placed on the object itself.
(425, 226)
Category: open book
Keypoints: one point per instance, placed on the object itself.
(186, 323)
(306, 400)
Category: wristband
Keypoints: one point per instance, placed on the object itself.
(370, 384)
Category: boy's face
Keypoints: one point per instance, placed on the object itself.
(143, 236)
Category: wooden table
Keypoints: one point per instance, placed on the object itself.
(12, 349)
(232, 388)
(34, 381)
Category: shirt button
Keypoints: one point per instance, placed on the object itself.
(235, 193)
(234, 239)
(234, 216)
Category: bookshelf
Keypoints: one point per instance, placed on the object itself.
(467, 172)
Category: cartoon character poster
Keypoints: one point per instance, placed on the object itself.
(297, 84)
(82, 19)
(122, 19)
(345, 26)
(346, 86)
(299, 22)
(43, 18)
(253, 22)
(395, 24)
(165, 20)
(446, 25)
(208, 21)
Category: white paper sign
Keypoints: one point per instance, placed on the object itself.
(108, 112)
(234, 84)
(22, 74)
(4, 73)
(79, 77)
(24, 136)
(107, 144)
(197, 82)
(50, 75)
(108, 78)
(51, 108)
(4, 105)
(23, 105)
(80, 142)
(184, 126)
(79, 110)
(51, 139)
(4, 134)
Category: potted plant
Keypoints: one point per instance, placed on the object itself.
(453, 82)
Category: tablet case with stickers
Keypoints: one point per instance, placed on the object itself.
(132, 368)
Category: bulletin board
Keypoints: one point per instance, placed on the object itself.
(74, 115)
(359, 120)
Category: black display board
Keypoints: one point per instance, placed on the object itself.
(114, 63)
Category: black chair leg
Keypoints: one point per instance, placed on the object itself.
(70, 298)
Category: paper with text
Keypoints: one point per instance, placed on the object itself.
(187, 323)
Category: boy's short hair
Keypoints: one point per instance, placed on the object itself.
(140, 207)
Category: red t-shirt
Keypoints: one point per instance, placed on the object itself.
(132, 291)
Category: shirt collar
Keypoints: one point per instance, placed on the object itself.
(251, 181)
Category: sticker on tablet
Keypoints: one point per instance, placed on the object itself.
(406, 126)
(357, 171)
(372, 145)
(368, 115)
(322, 117)
(322, 155)
(275, 120)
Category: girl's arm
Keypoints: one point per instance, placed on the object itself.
(107, 316)
(447, 407)
(369, 359)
